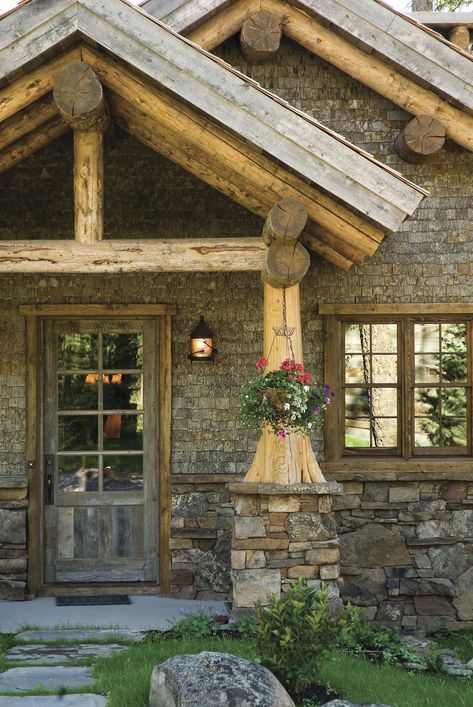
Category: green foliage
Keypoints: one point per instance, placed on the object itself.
(294, 634)
(286, 399)
(195, 626)
(379, 643)
(245, 627)
(452, 5)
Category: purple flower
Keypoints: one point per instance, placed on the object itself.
(281, 434)
(332, 394)
(327, 400)
(315, 411)
(327, 388)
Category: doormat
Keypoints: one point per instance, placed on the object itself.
(80, 600)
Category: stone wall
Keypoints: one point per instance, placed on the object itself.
(13, 505)
(407, 549)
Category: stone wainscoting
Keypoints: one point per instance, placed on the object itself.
(406, 548)
(13, 557)
(201, 520)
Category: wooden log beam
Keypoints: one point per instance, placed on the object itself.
(420, 140)
(260, 37)
(37, 83)
(286, 261)
(460, 36)
(286, 221)
(79, 97)
(31, 143)
(121, 256)
(26, 121)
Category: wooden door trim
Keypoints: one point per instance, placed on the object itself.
(33, 317)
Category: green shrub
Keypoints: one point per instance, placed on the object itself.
(294, 634)
(197, 625)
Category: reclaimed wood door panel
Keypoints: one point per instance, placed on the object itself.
(100, 443)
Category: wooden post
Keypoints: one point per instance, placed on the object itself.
(260, 37)
(420, 139)
(290, 460)
(79, 97)
(460, 35)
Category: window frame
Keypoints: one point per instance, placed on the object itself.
(335, 317)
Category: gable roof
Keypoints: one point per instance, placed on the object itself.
(375, 44)
(352, 199)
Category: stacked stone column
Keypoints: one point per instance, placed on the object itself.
(281, 532)
(13, 504)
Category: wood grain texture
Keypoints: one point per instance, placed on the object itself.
(32, 455)
(419, 308)
(78, 95)
(285, 264)
(88, 186)
(26, 120)
(97, 310)
(260, 37)
(159, 255)
(421, 139)
(32, 142)
(290, 460)
(165, 418)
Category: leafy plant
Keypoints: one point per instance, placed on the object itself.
(246, 626)
(294, 634)
(287, 399)
(195, 626)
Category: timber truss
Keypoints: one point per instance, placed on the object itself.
(195, 110)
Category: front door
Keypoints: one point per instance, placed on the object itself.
(100, 451)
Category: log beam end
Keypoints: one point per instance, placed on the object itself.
(421, 139)
(260, 37)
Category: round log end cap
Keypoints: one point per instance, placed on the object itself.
(260, 37)
(78, 94)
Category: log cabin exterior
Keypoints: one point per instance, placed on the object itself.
(141, 151)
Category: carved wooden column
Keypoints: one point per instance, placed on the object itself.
(79, 97)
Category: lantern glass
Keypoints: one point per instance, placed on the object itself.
(201, 348)
(201, 344)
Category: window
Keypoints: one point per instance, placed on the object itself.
(403, 383)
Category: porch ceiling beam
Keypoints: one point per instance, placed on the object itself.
(122, 256)
(31, 143)
(364, 67)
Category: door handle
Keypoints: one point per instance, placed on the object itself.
(49, 479)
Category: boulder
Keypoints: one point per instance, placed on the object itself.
(210, 679)
(345, 703)
(373, 545)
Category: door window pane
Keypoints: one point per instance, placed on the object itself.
(427, 337)
(75, 392)
(77, 351)
(122, 473)
(123, 432)
(353, 338)
(77, 433)
(123, 392)
(78, 473)
(122, 351)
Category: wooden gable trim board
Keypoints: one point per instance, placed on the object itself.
(419, 84)
(33, 315)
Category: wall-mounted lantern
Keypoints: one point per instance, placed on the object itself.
(202, 348)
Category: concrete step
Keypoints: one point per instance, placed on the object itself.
(34, 653)
(84, 700)
(79, 635)
(55, 678)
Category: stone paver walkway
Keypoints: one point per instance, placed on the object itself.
(54, 678)
(77, 635)
(42, 654)
(83, 700)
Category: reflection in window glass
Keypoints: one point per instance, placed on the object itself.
(454, 368)
(357, 433)
(123, 432)
(427, 432)
(123, 392)
(75, 393)
(78, 473)
(384, 432)
(122, 473)
(122, 351)
(453, 337)
(427, 368)
(77, 351)
(384, 338)
(383, 402)
(384, 368)
(353, 338)
(425, 400)
(357, 369)
(77, 433)
(427, 337)
(357, 402)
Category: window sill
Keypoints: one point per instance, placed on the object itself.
(399, 470)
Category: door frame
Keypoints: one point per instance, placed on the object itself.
(34, 315)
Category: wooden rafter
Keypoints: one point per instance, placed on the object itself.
(32, 142)
(158, 255)
(26, 120)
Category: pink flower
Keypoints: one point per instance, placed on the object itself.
(306, 378)
(281, 434)
(299, 367)
(261, 363)
(287, 365)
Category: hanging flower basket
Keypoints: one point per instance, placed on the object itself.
(287, 399)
